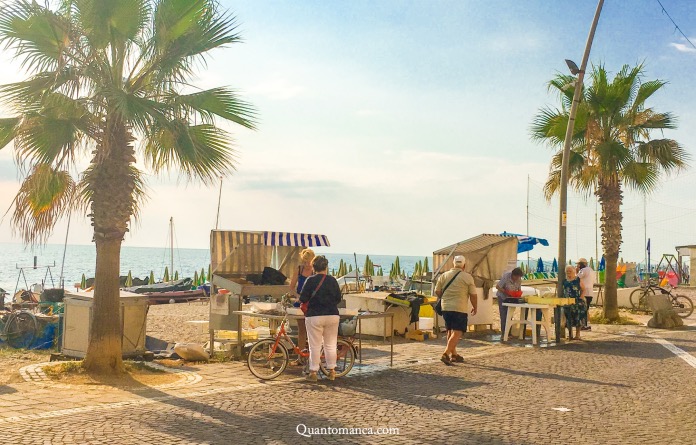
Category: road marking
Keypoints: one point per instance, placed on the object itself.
(682, 354)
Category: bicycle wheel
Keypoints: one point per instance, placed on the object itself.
(639, 298)
(20, 329)
(683, 305)
(264, 362)
(345, 359)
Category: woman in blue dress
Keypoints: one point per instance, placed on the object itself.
(574, 313)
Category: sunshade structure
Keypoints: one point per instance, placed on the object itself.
(526, 243)
(554, 266)
(487, 257)
(540, 265)
(235, 254)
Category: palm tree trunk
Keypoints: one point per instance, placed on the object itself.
(104, 351)
(111, 184)
(610, 198)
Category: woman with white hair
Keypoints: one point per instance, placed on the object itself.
(455, 287)
(574, 313)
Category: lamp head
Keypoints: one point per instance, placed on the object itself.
(574, 70)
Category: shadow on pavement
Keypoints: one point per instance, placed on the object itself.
(543, 375)
(417, 389)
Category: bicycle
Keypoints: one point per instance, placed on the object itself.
(268, 358)
(20, 328)
(682, 304)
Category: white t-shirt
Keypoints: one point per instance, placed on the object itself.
(587, 280)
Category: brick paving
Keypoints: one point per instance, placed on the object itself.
(619, 386)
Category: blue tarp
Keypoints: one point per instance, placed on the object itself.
(526, 243)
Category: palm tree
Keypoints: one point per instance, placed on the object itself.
(110, 80)
(612, 149)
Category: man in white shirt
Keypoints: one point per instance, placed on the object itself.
(587, 280)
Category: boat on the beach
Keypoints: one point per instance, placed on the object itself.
(170, 292)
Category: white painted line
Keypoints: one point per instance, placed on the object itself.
(682, 354)
(562, 409)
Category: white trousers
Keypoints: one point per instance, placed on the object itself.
(322, 330)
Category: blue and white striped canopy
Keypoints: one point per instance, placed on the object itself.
(294, 239)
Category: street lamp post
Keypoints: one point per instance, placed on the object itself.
(563, 211)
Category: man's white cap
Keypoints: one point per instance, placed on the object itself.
(459, 259)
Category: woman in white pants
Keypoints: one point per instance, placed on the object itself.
(323, 294)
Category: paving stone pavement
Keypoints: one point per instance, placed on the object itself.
(619, 386)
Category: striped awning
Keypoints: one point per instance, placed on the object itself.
(294, 239)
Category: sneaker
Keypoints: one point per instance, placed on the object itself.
(312, 376)
(586, 328)
(446, 360)
(457, 358)
(332, 375)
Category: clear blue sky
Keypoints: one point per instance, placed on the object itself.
(401, 127)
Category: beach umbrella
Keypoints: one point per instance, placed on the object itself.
(166, 274)
(195, 278)
(367, 269)
(602, 264)
(426, 267)
(129, 279)
(570, 262)
(350, 268)
(540, 265)
(591, 263)
(380, 271)
(83, 283)
(176, 276)
(397, 265)
(152, 277)
(554, 266)
(203, 278)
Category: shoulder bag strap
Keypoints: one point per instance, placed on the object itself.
(450, 282)
(317, 289)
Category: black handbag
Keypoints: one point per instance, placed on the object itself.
(438, 304)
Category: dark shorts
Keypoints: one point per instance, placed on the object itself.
(455, 321)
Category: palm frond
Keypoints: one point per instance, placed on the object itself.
(219, 102)
(667, 154)
(8, 129)
(38, 35)
(106, 21)
(43, 198)
(202, 152)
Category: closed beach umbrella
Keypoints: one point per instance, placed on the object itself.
(426, 267)
(554, 266)
(602, 264)
(176, 276)
(591, 263)
(83, 283)
(540, 265)
(129, 279)
(195, 278)
(202, 276)
(166, 274)
(152, 277)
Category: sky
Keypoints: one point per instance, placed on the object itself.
(400, 127)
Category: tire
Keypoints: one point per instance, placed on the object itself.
(639, 298)
(264, 363)
(345, 359)
(20, 330)
(683, 305)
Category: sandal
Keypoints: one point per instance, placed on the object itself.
(446, 360)
(457, 358)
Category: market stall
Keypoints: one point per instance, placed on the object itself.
(249, 264)
(487, 257)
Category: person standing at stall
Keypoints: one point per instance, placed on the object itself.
(304, 271)
(576, 313)
(509, 286)
(322, 294)
(587, 280)
(456, 287)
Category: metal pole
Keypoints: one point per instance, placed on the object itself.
(217, 218)
(528, 218)
(563, 211)
(171, 245)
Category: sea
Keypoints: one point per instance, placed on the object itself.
(70, 262)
